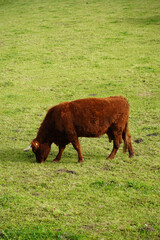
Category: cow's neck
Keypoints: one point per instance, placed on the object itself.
(44, 135)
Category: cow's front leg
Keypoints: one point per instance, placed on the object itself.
(59, 155)
(77, 146)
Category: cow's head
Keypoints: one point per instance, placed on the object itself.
(41, 150)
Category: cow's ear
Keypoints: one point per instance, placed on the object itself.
(35, 145)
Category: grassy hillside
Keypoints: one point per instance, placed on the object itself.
(61, 50)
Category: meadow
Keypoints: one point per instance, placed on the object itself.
(60, 50)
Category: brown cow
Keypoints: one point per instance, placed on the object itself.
(90, 117)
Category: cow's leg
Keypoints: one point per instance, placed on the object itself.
(127, 142)
(114, 151)
(59, 155)
(76, 145)
(130, 148)
(116, 144)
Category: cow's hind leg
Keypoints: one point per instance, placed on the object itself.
(127, 142)
(59, 155)
(130, 148)
(114, 151)
(77, 146)
(117, 140)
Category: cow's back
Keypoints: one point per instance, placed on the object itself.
(91, 117)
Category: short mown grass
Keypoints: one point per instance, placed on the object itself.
(56, 51)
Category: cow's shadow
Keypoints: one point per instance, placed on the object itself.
(18, 155)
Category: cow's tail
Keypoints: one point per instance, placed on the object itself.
(126, 138)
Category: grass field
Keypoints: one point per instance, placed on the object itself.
(61, 50)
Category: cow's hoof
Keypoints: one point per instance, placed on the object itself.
(55, 161)
(110, 157)
(80, 161)
(131, 155)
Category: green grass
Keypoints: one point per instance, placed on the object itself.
(61, 50)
